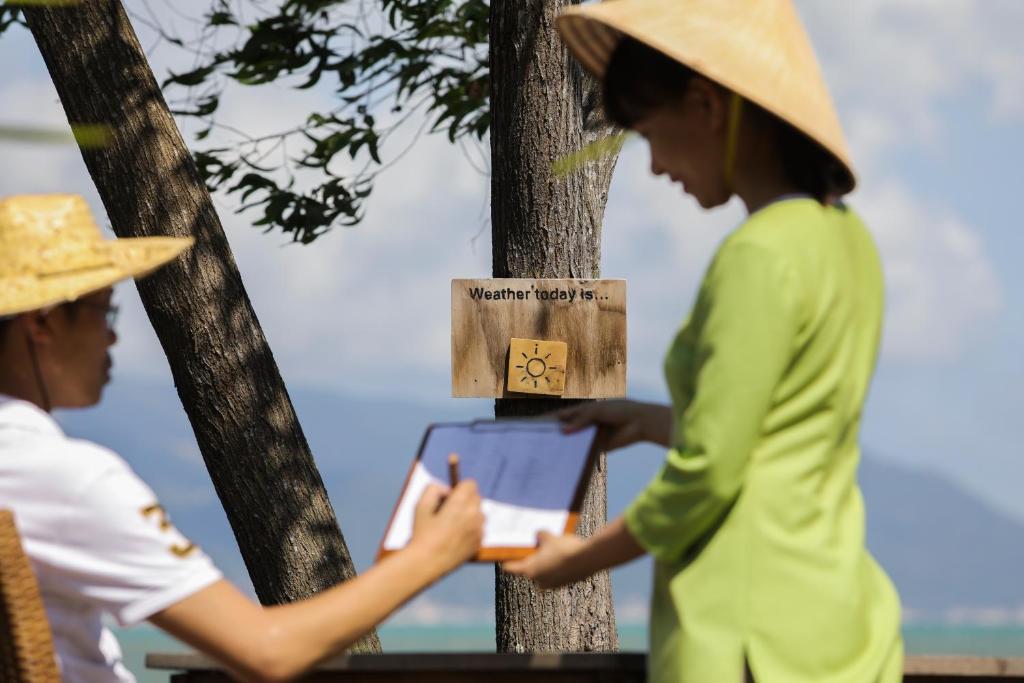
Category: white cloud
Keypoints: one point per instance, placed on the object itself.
(896, 67)
(369, 305)
(899, 62)
(366, 309)
(32, 102)
(425, 610)
(661, 241)
(940, 283)
(361, 306)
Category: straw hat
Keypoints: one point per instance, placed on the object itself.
(756, 48)
(52, 251)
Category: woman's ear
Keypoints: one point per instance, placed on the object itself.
(712, 101)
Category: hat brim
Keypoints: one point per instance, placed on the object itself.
(592, 32)
(116, 260)
(588, 32)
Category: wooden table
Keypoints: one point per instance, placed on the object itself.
(625, 667)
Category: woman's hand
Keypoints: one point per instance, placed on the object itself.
(552, 565)
(562, 560)
(622, 423)
(449, 523)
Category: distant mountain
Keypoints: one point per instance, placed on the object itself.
(944, 548)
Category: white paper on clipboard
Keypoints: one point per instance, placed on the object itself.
(528, 473)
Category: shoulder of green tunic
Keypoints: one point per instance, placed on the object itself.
(778, 225)
(783, 227)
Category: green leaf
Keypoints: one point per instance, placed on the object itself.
(601, 149)
(191, 78)
(221, 19)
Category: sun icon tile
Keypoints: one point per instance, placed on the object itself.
(537, 367)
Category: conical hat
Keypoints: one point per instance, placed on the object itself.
(52, 251)
(756, 48)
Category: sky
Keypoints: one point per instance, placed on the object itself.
(931, 95)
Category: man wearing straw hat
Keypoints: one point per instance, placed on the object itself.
(99, 542)
(755, 522)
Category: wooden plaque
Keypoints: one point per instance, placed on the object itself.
(589, 316)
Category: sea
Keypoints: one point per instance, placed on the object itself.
(920, 639)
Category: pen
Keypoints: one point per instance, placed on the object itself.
(453, 469)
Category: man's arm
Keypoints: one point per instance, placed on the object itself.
(278, 643)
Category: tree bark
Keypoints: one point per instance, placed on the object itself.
(543, 107)
(225, 374)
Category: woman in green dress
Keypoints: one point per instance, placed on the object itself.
(755, 521)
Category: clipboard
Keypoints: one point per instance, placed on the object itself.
(532, 478)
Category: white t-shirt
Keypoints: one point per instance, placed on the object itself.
(96, 536)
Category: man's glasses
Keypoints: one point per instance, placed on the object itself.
(110, 311)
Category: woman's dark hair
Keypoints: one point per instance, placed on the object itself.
(639, 80)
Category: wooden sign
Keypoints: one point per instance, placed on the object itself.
(588, 316)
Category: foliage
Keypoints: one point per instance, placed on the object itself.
(9, 15)
(382, 62)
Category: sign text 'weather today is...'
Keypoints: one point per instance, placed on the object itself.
(512, 294)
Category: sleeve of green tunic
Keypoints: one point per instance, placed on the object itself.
(744, 330)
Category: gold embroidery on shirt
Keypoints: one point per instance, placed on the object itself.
(183, 551)
(165, 525)
(157, 509)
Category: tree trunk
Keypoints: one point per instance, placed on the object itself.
(544, 107)
(224, 372)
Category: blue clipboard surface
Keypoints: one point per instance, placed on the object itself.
(530, 475)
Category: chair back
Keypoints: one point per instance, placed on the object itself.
(26, 646)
